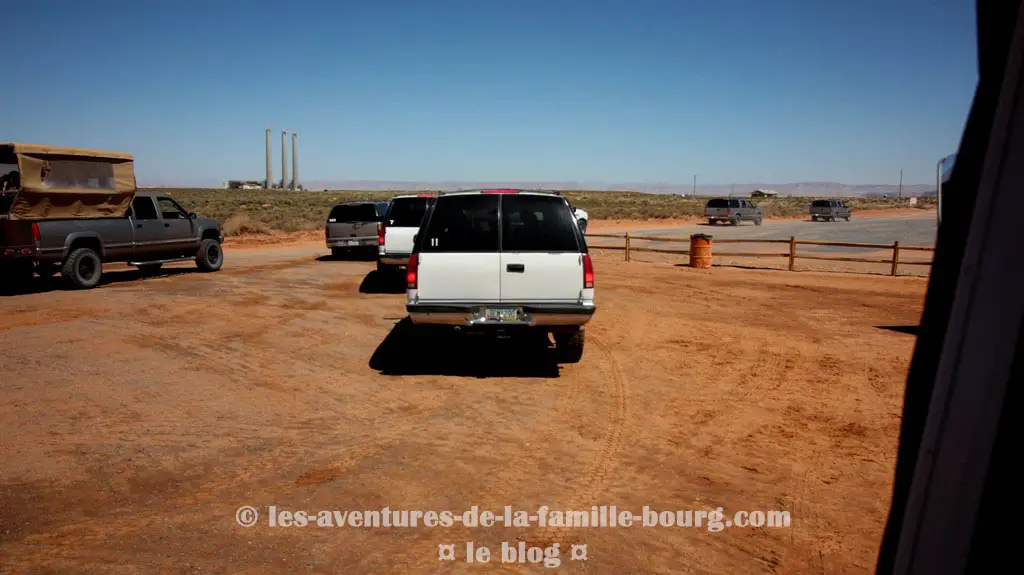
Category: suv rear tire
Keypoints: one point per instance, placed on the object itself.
(569, 346)
(386, 269)
(210, 256)
(82, 269)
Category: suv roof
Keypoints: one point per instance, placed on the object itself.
(501, 191)
(522, 225)
(356, 202)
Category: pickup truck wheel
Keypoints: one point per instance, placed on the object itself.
(82, 269)
(569, 346)
(210, 256)
(583, 225)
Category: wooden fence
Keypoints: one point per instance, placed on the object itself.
(791, 253)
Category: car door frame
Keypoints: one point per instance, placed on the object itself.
(146, 249)
(172, 243)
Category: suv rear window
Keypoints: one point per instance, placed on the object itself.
(407, 212)
(718, 203)
(536, 223)
(821, 204)
(463, 223)
(353, 213)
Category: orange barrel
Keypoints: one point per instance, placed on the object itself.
(700, 251)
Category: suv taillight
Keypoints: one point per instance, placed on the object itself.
(588, 272)
(410, 271)
(380, 234)
(35, 233)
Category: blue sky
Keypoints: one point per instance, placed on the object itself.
(735, 91)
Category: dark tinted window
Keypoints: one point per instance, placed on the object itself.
(821, 204)
(170, 210)
(532, 223)
(734, 203)
(718, 203)
(144, 209)
(353, 213)
(463, 223)
(407, 212)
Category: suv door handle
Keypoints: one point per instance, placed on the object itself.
(167, 225)
(138, 225)
(516, 268)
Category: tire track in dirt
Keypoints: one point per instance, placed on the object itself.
(593, 481)
(523, 462)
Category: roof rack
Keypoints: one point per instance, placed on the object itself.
(503, 190)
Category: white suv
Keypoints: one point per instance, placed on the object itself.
(395, 234)
(581, 217)
(503, 261)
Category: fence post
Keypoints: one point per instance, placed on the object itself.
(627, 246)
(792, 252)
(895, 256)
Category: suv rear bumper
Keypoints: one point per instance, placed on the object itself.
(395, 259)
(530, 315)
(352, 242)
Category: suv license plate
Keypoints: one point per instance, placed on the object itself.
(353, 243)
(501, 313)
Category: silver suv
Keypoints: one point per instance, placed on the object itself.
(732, 210)
(353, 225)
(830, 210)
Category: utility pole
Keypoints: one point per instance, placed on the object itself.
(899, 192)
(695, 184)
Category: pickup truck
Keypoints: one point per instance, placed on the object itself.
(732, 210)
(353, 225)
(830, 210)
(155, 230)
(503, 262)
(396, 233)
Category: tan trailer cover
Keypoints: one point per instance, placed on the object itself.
(61, 183)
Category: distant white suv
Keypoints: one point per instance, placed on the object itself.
(580, 216)
(395, 234)
(503, 261)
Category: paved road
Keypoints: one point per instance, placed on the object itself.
(917, 230)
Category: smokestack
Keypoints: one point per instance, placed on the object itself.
(295, 161)
(284, 159)
(270, 170)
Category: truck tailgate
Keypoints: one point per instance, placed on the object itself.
(398, 240)
(16, 234)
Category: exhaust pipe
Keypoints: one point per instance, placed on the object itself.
(269, 183)
(295, 161)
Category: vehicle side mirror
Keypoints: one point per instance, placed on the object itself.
(192, 215)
